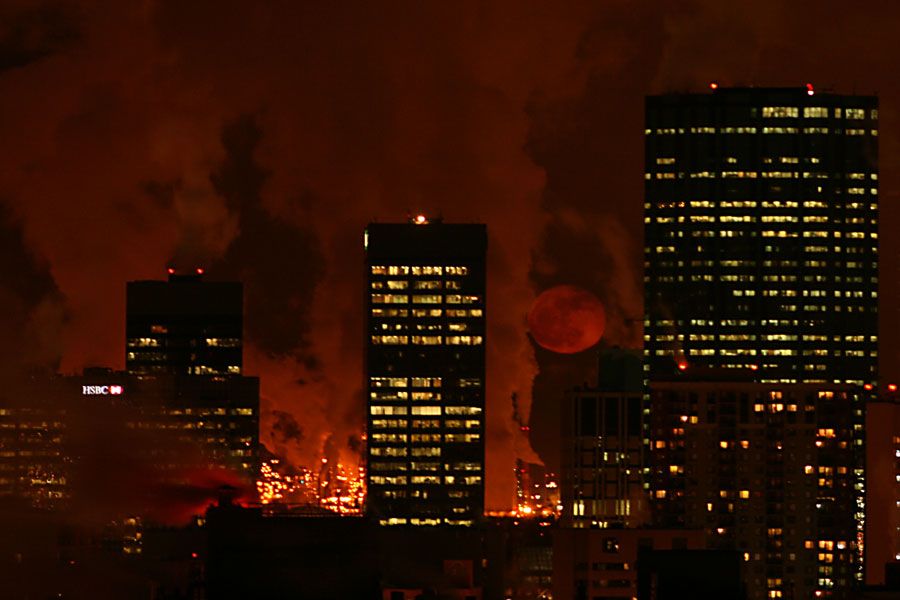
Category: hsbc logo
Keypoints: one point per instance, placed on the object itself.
(101, 390)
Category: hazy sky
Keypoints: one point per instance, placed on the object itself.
(257, 139)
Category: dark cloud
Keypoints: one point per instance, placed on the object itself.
(29, 35)
(32, 310)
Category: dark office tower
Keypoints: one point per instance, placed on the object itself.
(773, 471)
(605, 447)
(425, 372)
(184, 326)
(761, 225)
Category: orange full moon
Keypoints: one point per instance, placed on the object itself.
(566, 319)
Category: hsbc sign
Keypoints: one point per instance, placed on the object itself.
(101, 390)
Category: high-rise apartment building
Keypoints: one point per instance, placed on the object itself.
(425, 372)
(774, 471)
(761, 229)
(184, 326)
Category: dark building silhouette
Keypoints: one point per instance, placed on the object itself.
(184, 326)
(606, 447)
(773, 471)
(694, 574)
(425, 372)
(602, 563)
(761, 225)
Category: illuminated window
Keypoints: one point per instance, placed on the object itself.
(390, 298)
(464, 340)
(390, 339)
(392, 410)
(780, 111)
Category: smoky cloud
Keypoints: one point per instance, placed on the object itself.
(260, 138)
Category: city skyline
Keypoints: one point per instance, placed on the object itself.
(189, 149)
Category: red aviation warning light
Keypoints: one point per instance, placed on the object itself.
(892, 387)
(810, 90)
(682, 366)
(713, 85)
(170, 270)
(867, 386)
(199, 271)
(420, 220)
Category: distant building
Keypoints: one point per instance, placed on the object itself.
(605, 447)
(184, 326)
(53, 429)
(425, 372)
(761, 234)
(602, 563)
(882, 485)
(774, 471)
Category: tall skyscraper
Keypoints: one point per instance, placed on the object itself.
(184, 326)
(425, 372)
(761, 228)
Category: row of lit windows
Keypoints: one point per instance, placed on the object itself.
(424, 410)
(765, 130)
(428, 340)
(424, 299)
(393, 284)
(424, 466)
(401, 326)
(419, 270)
(424, 479)
(402, 395)
(426, 437)
(430, 312)
(763, 204)
(448, 424)
(664, 175)
(402, 381)
(395, 451)
(426, 522)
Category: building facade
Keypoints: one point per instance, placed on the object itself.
(774, 471)
(606, 448)
(761, 234)
(58, 433)
(882, 484)
(425, 372)
(603, 563)
(184, 326)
